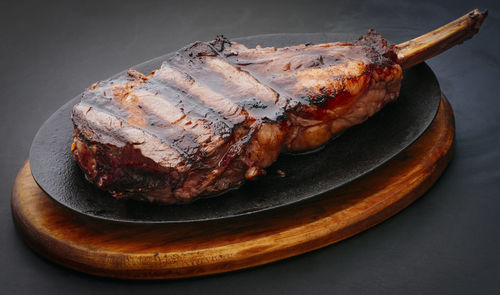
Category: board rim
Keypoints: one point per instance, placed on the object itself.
(103, 248)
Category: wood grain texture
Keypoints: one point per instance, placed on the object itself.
(185, 250)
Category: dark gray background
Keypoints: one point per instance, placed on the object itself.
(446, 242)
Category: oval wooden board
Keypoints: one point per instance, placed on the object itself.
(185, 250)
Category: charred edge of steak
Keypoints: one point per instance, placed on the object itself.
(381, 53)
(119, 169)
(220, 42)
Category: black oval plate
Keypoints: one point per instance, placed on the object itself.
(358, 151)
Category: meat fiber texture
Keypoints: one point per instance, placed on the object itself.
(217, 113)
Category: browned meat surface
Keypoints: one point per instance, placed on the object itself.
(218, 113)
(327, 87)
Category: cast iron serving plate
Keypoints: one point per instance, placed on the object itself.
(358, 151)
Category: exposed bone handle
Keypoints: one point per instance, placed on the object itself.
(433, 43)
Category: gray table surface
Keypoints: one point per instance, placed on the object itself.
(447, 242)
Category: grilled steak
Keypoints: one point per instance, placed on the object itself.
(217, 113)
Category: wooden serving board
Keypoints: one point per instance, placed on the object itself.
(185, 250)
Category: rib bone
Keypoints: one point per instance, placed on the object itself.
(435, 42)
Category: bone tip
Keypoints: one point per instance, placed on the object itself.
(479, 15)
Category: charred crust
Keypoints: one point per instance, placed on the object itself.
(198, 49)
(220, 42)
(322, 98)
(380, 52)
(253, 104)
